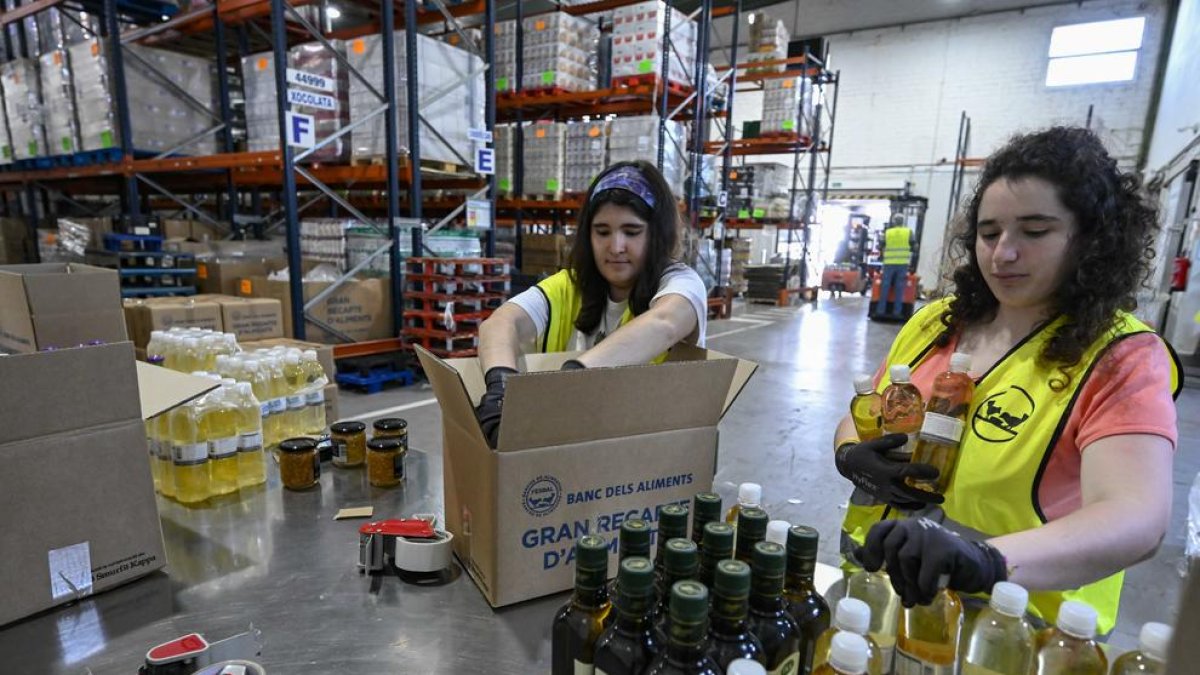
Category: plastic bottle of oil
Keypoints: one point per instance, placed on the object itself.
(749, 495)
(251, 467)
(189, 452)
(1068, 648)
(314, 400)
(260, 383)
(848, 655)
(875, 589)
(927, 637)
(210, 347)
(189, 358)
(866, 409)
(945, 417)
(218, 424)
(1151, 656)
(152, 445)
(1001, 640)
(296, 380)
(851, 616)
(164, 454)
(903, 410)
(278, 386)
(156, 348)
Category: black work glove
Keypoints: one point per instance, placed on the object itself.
(490, 406)
(922, 557)
(865, 465)
(573, 364)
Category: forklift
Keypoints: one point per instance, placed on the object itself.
(913, 209)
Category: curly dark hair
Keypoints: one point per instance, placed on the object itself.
(1112, 250)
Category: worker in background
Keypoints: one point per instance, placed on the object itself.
(625, 299)
(1064, 469)
(897, 256)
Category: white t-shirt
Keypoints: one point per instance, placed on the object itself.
(678, 279)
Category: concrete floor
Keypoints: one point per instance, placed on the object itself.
(780, 430)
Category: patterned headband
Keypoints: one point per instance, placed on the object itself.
(626, 178)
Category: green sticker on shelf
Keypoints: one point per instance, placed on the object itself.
(759, 213)
(106, 139)
(7, 152)
(645, 65)
(505, 184)
(548, 77)
(502, 83)
(66, 143)
(33, 149)
(552, 185)
(789, 125)
(743, 213)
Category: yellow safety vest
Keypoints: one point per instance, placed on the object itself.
(895, 246)
(565, 301)
(1014, 425)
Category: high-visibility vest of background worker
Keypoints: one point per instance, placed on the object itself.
(897, 256)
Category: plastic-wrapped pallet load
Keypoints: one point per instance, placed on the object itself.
(326, 99)
(559, 53)
(768, 42)
(453, 75)
(631, 138)
(6, 148)
(545, 158)
(587, 148)
(262, 113)
(23, 107)
(58, 97)
(502, 137)
(781, 106)
(324, 240)
(638, 45)
(362, 241)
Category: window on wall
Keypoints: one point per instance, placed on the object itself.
(1100, 51)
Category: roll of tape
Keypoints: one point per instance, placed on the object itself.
(424, 555)
(236, 667)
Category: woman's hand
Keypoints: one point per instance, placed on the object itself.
(922, 557)
(491, 405)
(866, 465)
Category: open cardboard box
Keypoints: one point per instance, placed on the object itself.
(579, 453)
(77, 508)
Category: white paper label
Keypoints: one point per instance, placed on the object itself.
(295, 402)
(219, 448)
(311, 99)
(278, 405)
(265, 409)
(942, 426)
(70, 570)
(187, 453)
(339, 451)
(315, 398)
(304, 79)
(584, 668)
(907, 664)
(790, 666)
(251, 442)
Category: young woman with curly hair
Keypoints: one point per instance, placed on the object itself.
(1063, 477)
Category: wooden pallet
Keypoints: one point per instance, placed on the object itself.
(431, 165)
(630, 81)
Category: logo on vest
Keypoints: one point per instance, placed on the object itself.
(999, 418)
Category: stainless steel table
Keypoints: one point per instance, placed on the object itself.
(277, 559)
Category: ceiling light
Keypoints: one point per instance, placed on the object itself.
(333, 13)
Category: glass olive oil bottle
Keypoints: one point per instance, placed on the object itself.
(628, 646)
(769, 621)
(580, 622)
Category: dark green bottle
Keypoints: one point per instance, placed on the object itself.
(672, 523)
(716, 546)
(706, 508)
(804, 603)
(634, 540)
(769, 620)
(751, 529)
(684, 653)
(729, 635)
(681, 561)
(628, 646)
(580, 622)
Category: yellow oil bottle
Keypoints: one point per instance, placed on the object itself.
(296, 380)
(866, 409)
(1069, 648)
(927, 636)
(218, 423)
(875, 589)
(189, 452)
(314, 421)
(252, 469)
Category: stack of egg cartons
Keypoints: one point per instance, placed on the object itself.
(324, 240)
(330, 104)
(559, 52)
(23, 107)
(768, 42)
(503, 136)
(545, 159)
(506, 56)
(587, 150)
(631, 138)
(638, 46)
(781, 100)
(454, 75)
(58, 96)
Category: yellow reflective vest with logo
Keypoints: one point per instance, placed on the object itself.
(1014, 423)
(896, 249)
(565, 301)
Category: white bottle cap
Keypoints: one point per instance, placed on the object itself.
(191, 343)
(292, 359)
(157, 334)
(852, 614)
(250, 364)
(750, 493)
(848, 653)
(960, 362)
(745, 667)
(244, 388)
(310, 355)
(1009, 599)
(777, 531)
(200, 373)
(864, 384)
(228, 381)
(222, 361)
(1077, 619)
(900, 374)
(1155, 640)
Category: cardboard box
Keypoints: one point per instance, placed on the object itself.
(58, 305)
(16, 246)
(560, 470)
(154, 314)
(221, 274)
(251, 318)
(359, 309)
(324, 352)
(75, 428)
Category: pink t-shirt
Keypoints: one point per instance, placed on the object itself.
(1128, 392)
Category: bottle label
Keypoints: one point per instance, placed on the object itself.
(164, 450)
(315, 397)
(398, 466)
(295, 402)
(264, 409)
(251, 442)
(584, 668)
(339, 451)
(220, 448)
(907, 664)
(316, 466)
(278, 405)
(152, 445)
(943, 427)
(190, 453)
(789, 666)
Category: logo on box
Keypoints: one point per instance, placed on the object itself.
(542, 495)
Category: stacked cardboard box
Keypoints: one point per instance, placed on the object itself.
(220, 274)
(544, 254)
(768, 42)
(740, 257)
(504, 136)
(638, 46)
(545, 159)
(23, 108)
(326, 98)
(58, 93)
(558, 49)
(262, 114)
(631, 138)
(323, 240)
(247, 318)
(360, 309)
(16, 245)
(450, 98)
(58, 305)
(587, 148)
(781, 106)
